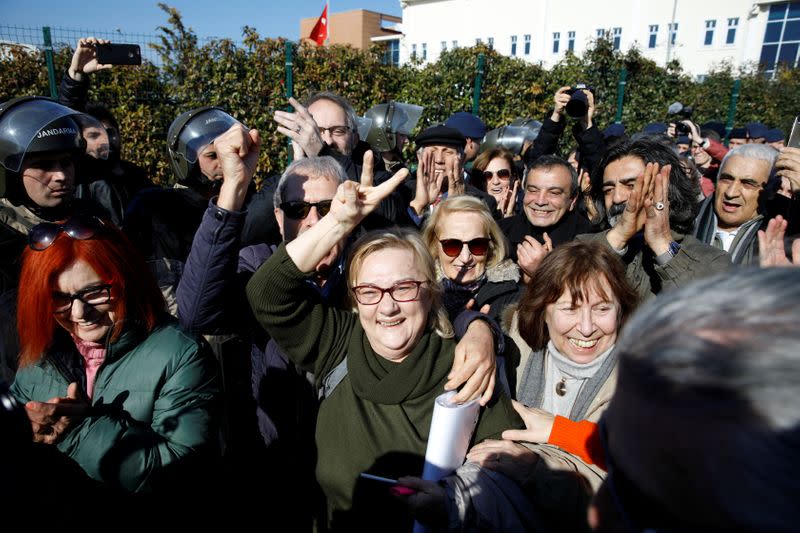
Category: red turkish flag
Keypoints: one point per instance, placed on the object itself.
(320, 31)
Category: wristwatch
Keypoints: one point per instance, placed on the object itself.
(671, 252)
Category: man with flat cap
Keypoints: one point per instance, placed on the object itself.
(440, 172)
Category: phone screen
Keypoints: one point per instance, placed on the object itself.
(794, 137)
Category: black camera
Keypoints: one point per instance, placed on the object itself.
(578, 104)
(675, 110)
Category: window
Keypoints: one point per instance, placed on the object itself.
(673, 32)
(571, 41)
(556, 39)
(413, 51)
(732, 25)
(455, 45)
(651, 43)
(601, 32)
(392, 54)
(513, 45)
(709, 38)
(424, 51)
(490, 42)
(527, 44)
(444, 46)
(617, 38)
(781, 38)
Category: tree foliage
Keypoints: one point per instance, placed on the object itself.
(249, 81)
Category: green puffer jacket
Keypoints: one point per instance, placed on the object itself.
(154, 409)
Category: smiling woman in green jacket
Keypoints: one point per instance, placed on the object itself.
(398, 348)
(104, 374)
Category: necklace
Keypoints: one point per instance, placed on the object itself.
(561, 387)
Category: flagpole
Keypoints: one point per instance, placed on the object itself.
(328, 11)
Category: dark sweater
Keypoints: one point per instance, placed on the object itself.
(378, 418)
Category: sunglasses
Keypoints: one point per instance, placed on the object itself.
(453, 247)
(78, 227)
(300, 210)
(503, 174)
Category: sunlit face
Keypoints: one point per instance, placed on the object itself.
(464, 226)
(87, 322)
(739, 185)
(547, 195)
(583, 330)
(302, 188)
(700, 156)
(619, 178)
(443, 157)
(208, 162)
(49, 178)
(97, 144)
(393, 328)
(328, 114)
(498, 186)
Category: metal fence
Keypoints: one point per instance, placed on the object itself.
(34, 37)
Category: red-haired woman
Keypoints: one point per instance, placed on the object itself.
(104, 374)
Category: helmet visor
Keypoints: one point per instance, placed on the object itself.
(404, 117)
(24, 122)
(364, 124)
(202, 129)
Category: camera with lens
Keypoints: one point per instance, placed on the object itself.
(678, 112)
(578, 104)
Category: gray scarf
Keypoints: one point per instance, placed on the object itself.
(744, 248)
(532, 387)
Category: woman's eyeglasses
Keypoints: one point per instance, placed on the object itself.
(41, 236)
(300, 210)
(92, 296)
(502, 174)
(453, 247)
(403, 291)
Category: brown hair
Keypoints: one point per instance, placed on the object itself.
(483, 160)
(577, 266)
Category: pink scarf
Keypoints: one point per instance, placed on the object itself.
(93, 354)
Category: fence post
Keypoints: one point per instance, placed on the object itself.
(623, 76)
(732, 109)
(48, 54)
(289, 63)
(476, 94)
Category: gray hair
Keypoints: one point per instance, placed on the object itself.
(309, 167)
(762, 152)
(341, 101)
(717, 362)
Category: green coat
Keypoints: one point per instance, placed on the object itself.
(378, 418)
(154, 406)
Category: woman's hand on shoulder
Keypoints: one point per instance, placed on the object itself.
(538, 424)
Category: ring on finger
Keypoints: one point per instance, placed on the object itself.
(659, 206)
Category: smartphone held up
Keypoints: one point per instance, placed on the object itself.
(119, 54)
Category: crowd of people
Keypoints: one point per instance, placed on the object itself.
(625, 314)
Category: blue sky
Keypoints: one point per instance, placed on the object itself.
(221, 18)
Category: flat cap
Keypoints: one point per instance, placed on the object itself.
(441, 135)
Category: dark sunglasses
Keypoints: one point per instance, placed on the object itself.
(453, 247)
(503, 174)
(300, 210)
(78, 227)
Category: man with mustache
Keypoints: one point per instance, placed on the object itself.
(549, 217)
(650, 205)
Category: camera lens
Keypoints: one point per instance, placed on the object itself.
(578, 104)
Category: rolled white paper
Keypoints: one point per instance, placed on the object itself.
(448, 440)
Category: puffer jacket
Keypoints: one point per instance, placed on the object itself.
(153, 421)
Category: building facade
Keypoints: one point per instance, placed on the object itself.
(701, 35)
(359, 28)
